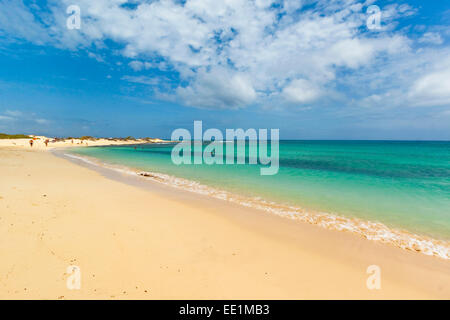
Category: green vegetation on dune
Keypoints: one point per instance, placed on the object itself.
(88, 138)
(112, 139)
(13, 136)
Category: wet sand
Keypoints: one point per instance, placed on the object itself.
(133, 238)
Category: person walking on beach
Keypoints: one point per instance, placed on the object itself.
(46, 142)
(31, 143)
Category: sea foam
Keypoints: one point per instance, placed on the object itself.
(374, 231)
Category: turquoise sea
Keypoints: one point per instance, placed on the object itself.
(404, 185)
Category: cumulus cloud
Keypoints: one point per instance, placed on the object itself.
(218, 89)
(230, 54)
(17, 22)
(432, 88)
(301, 91)
(10, 115)
(97, 57)
(139, 65)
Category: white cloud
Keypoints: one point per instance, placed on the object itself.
(246, 39)
(17, 22)
(97, 57)
(301, 91)
(415, 78)
(219, 89)
(5, 118)
(230, 54)
(432, 89)
(431, 37)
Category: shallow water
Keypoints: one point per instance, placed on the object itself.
(404, 185)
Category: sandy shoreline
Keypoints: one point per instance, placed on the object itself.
(370, 230)
(152, 243)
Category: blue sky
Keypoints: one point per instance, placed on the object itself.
(313, 69)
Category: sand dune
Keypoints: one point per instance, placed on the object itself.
(40, 145)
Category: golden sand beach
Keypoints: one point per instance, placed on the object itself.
(157, 243)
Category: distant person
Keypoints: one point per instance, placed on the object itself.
(72, 141)
(31, 143)
(46, 142)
